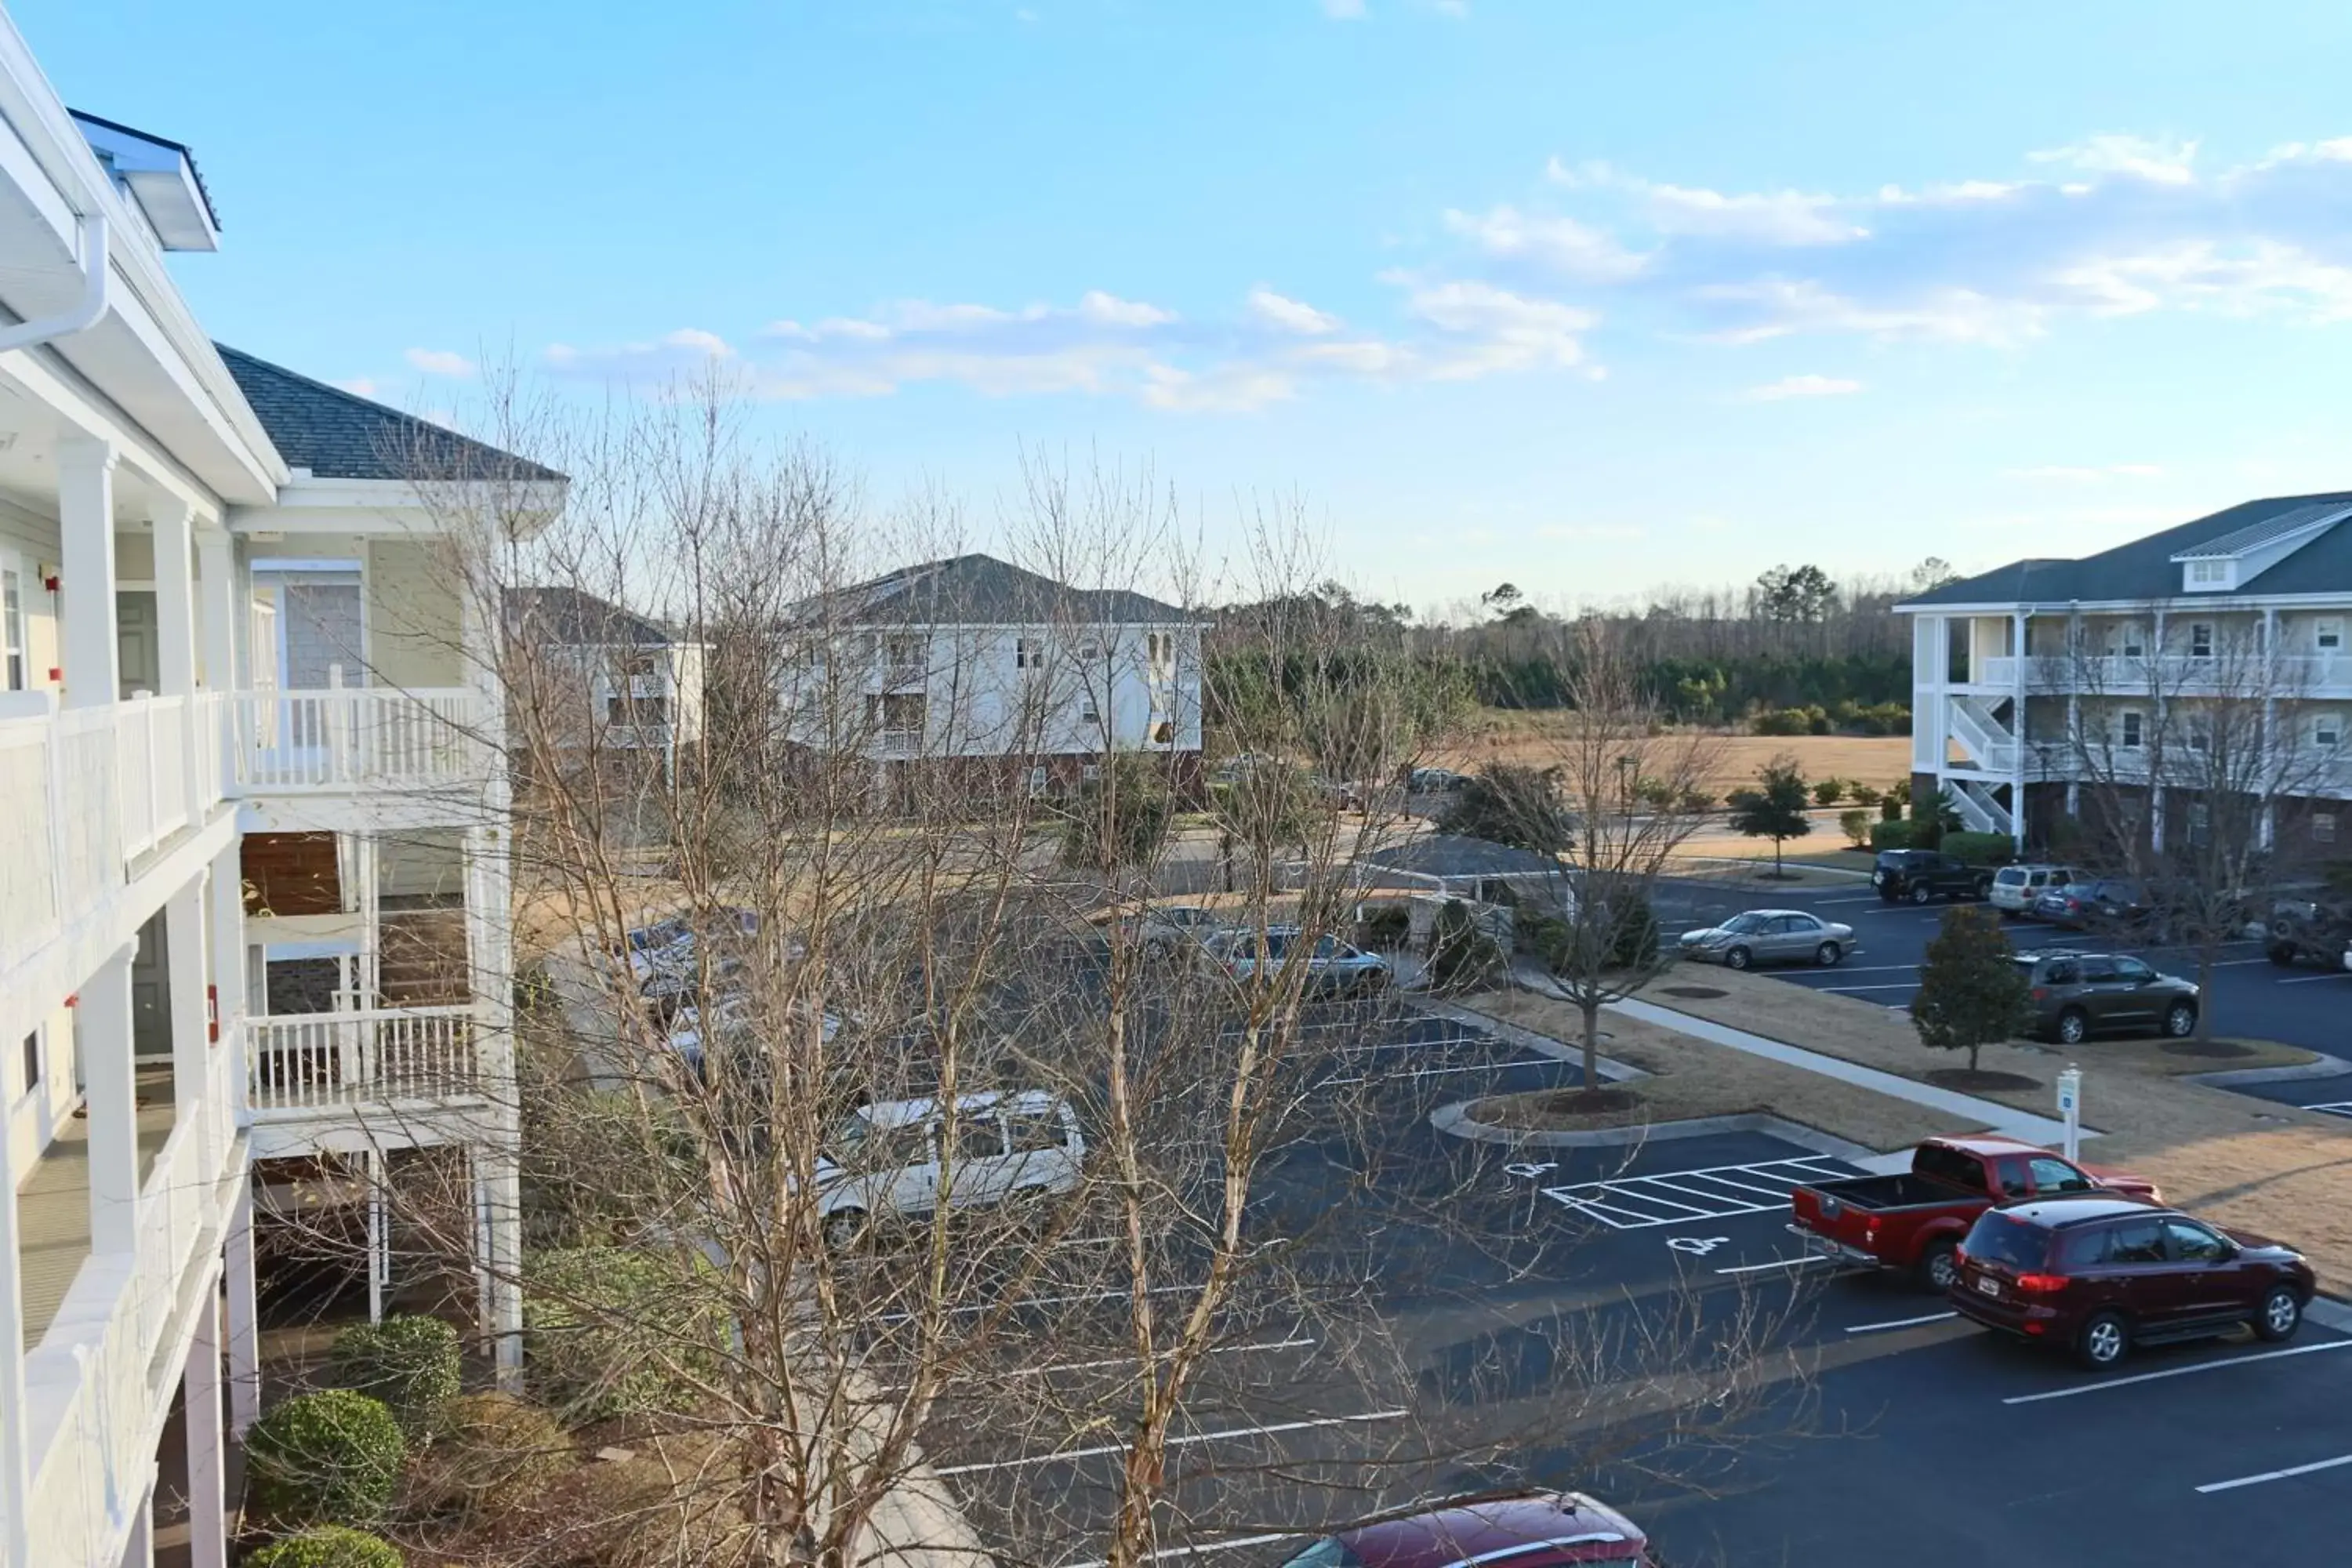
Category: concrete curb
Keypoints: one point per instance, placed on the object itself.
(1456, 1121)
(2325, 1067)
(1514, 1033)
(2330, 1313)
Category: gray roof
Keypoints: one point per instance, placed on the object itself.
(982, 591)
(339, 435)
(2146, 568)
(573, 618)
(1457, 855)
(2269, 530)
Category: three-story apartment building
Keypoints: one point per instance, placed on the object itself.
(254, 856)
(2202, 668)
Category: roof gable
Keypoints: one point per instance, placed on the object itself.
(339, 435)
(572, 618)
(980, 590)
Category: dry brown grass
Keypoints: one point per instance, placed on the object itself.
(1507, 736)
(2274, 1169)
(1691, 1078)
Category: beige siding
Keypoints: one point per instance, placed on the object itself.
(416, 613)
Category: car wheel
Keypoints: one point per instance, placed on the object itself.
(1828, 953)
(1921, 894)
(2103, 1341)
(843, 1228)
(2073, 1026)
(2281, 1315)
(2282, 955)
(2181, 1020)
(1737, 958)
(1939, 1265)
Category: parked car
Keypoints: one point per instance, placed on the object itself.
(1915, 1221)
(1539, 1530)
(2308, 929)
(2015, 887)
(2078, 994)
(884, 1160)
(2112, 901)
(1435, 781)
(2096, 1276)
(1769, 936)
(1921, 874)
(1164, 930)
(669, 946)
(1333, 967)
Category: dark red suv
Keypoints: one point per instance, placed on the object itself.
(2099, 1274)
(1544, 1529)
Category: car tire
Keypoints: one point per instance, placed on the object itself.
(1922, 893)
(2103, 1341)
(2180, 1021)
(1938, 1266)
(844, 1228)
(1828, 955)
(1737, 958)
(2281, 955)
(2073, 1028)
(2279, 1315)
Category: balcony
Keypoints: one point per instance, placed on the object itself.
(2289, 677)
(362, 738)
(306, 1066)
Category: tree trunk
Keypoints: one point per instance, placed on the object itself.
(1972, 1056)
(1591, 1010)
(2204, 1035)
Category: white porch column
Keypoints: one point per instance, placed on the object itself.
(489, 953)
(200, 1387)
(102, 1042)
(2016, 727)
(85, 523)
(216, 587)
(373, 1163)
(15, 1479)
(244, 1326)
(175, 599)
(226, 895)
(139, 1550)
(186, 1013)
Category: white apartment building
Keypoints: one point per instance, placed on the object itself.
(605, 679)
(977, 665)
(2210, 658)
(253, 839)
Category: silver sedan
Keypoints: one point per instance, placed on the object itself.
(1769, 936)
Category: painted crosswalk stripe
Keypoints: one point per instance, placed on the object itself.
(1712, 1192)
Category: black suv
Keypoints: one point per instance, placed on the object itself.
(2302, 929)
(1920, 875)
(2076, 994)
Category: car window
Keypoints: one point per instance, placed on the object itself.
(1746, 925)
(2133, 969)
(2135, 1241)
(1956, 1166)
(1035, 1131)
(2082, 1248)
(2098, 970)
(1998, 1237)
(2011, 1175)
(2065, 972)
(857, 1144)
(978, 1134)
(1327, 947)
(2192, 1242)
(2057, 1176)
(1278, 943)
(1328, 1553)
(2012, 879)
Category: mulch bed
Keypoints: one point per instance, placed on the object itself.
(2208, 1050)
(1697, 993)
(1979, 1080)
(1591, 1101)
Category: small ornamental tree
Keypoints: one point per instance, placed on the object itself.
(1971, 992)
(1776, 808)
(1507, 804)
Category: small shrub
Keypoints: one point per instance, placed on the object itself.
(1658, 794)
(408, 1360)
(1829, 792)
(1385, 926)
(1895, 834)
(329, 1546)
(604, 1329)
(1856, 826)
(331, 1457)
(1980, 849)
(1545, 935)
(1889, 808)
(496, 1453)
(1634, 935)
(1697, 802)
(1862, 794)
(1817, 723)
(1781, 722)
(1461, 956)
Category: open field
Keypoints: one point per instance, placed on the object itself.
(1507, 736)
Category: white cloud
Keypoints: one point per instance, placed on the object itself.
(2160, 161)
(1768, 217)
(1344, 10)
(1290, 315)
(1777, 307)
(2096, 473)
(440, 361)
(1801, 387)
(1559, 245)
(1490, 329)
(359, 385)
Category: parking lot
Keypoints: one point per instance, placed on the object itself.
(1564, 1316)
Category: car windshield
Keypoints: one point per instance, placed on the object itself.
(2011, 878)
(1328, 1553)
(2005, 1239)
(1746, 925)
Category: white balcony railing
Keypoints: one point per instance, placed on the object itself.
(308, 1063)
(2287, 677)
(362, 738)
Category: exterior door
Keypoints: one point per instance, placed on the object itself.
(137, 664)
(2145, 1280)
(150, 1020)
(321, 620)
(2208, 1285)
(2106, 997)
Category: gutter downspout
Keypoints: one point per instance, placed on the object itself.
(96, 275)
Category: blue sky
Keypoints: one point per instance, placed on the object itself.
(1585, 297)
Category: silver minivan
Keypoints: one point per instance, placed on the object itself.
(2014, 888)
(884, 1159)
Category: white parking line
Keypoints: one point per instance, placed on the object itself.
(2315, 979)
(1901, 1322)
(1044, 1302)
(1193, 1551)
(1807, 1260)
(2276, 1475)
(1852, 969)
(1752, 1188)
(2333, 1108)
(1435, 1072)
(1189, 1437)
(2175, 1371)
(1895, 985)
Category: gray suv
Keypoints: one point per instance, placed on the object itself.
(2077, 994)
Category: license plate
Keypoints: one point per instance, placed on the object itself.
(1989, 1285)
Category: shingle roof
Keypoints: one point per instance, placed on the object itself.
(2146, 568)
(573, 618)
(339, 435)
(2254, 535)
(980, 590)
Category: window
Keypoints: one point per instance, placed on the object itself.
(1089, 653)
(2328, 731)
(619, 710)
(2134, 728)
(2192, 1242)
(2200, 821)
(1163, 733)
(2010, 1177)
(32, 1061)
(1035, 1131)
(1090, 713)
(978, 1134)
(2208, 573)
(1036, 782)
(2323, 827)
(2084, 1248)
(2200, 639)
(2065, 972)
(2099, 972)
(12, 629)
(2328, 636)
(2057, 1176)
(1953, 1167)
(2131, 642)
(2133, 969)
(2135, 1241)
(1090, 773)
(1028, 653)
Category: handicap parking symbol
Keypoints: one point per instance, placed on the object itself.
(1530, 1172)
(1700, 1246)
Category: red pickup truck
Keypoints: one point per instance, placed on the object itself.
(1915, 1221)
